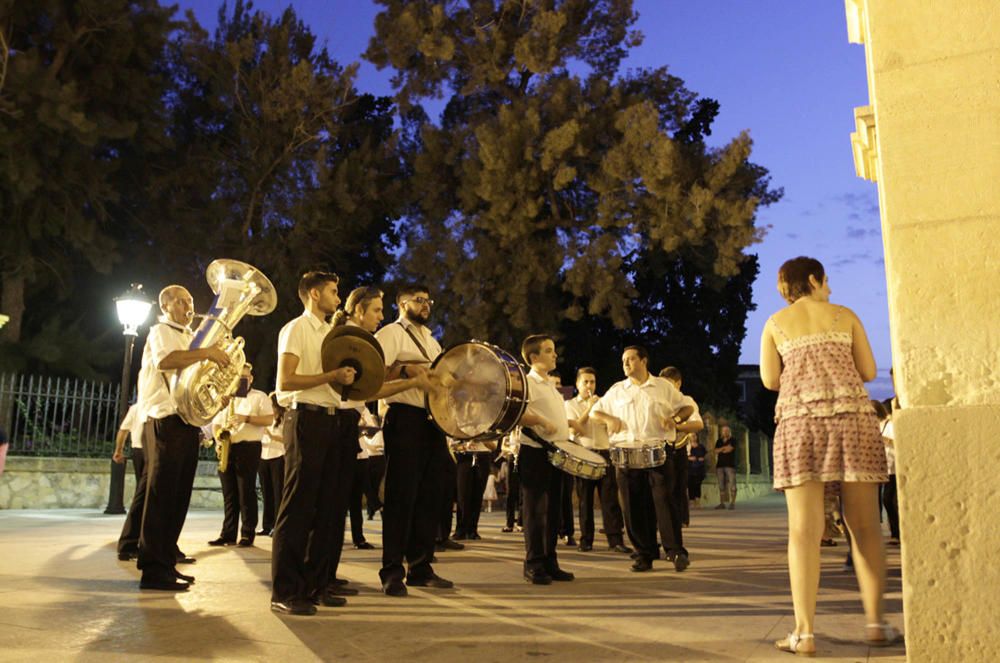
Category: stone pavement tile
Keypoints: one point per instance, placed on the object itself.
(728, 606)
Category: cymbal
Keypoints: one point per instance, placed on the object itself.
(353, 346)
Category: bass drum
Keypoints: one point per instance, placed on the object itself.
(483, 395)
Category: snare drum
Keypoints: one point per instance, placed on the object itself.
(638, 458)
(484, 394)
(578, 461)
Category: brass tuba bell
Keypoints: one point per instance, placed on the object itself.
(240, 289)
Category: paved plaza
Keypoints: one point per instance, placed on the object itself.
(65, 597)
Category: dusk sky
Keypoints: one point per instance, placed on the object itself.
(783, 70)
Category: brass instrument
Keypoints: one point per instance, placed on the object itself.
(200, 389)
(224, 437)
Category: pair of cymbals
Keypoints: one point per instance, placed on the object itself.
(353, 346)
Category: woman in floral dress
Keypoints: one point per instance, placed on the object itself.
(817, 356)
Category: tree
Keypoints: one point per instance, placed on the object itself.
(555, 188)
(76, 84)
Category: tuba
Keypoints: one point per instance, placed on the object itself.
(240, 289)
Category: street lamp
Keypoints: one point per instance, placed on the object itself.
(133, 309)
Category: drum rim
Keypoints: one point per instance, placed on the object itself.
(492, 433)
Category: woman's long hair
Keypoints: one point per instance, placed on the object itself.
(356, 304)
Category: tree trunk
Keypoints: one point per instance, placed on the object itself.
(12, 304)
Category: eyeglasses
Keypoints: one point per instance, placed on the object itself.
(421, 301)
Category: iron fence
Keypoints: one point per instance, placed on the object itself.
(46, 416)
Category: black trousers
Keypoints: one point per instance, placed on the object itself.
(449, 496)
(679, 511)
(513, 493)
(320, 450)
(416, 472)
(171, 463)
(128, 542)
(645, 495)
(611, 510)
(566, 527)
(239, 491)
(694, 480)
(272, 481)
(358, 485)
(891, 503)
(541, 484)
(376, 470)
(473, 470)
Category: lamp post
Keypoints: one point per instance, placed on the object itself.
(133, 309)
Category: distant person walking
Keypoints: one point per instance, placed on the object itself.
(725, 468)
(816, 355)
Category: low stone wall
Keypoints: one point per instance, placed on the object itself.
(747, 487)
(82, 483)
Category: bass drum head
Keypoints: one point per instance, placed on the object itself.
(475, 391)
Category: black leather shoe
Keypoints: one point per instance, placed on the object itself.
(585, 547)
(451, 544)
(293, 607)
(506, 528)
(560, 575)
(163, 584)
(264, 532)
(364, 545)
(329, 600)
(127, 555)
(341, 590)
(640, 565)
(459, 536)
(184, 578)
(570, 541)
(681, 562)
(185, 559)
(475, 536)
(433, 580)
(394, 587)
(339, 581)
(538, 577)
(245, 543)
(620, 548)
(221, 542)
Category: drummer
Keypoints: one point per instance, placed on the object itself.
(643, 411)
(543, 421)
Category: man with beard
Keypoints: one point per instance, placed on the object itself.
(172, 443)
(416, 452)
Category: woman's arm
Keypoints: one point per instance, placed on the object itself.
(770, 360)
(864, 360)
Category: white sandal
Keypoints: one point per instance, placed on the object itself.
(887, 635)
(792, 643)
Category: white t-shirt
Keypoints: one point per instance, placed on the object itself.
(303, 337)
(134, 422)
(643, 408)
(545, 400)
(596, 436)
(154, 392)
(271, 446)
(398, 346)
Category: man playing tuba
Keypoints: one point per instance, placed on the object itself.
(172, 452)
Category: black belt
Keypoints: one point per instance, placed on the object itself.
(532, 435)
(322, 409)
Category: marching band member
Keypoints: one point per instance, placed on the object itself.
(678, 454)
(272, 466)
(641, 409)
(172, 443)
(543, 421)
(245, 419)
(472, 460)
(131, 429)
(320, 445)
(592, 435)
(359, 485)
(415, 450)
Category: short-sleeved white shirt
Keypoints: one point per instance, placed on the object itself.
(155, 384)
(271, 445)
(254, 404)
(134, 422)
(643, 408)
(303, 337)
(398, 346)
(545, 400)
(596, 436)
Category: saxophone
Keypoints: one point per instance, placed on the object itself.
(224, 437)
(201, 389)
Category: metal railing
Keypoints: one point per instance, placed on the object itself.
(46, 416)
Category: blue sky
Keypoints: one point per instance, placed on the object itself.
(782, 69)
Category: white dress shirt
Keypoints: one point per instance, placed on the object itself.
(398, 346)
(546, 401)
(271, 446)
(643, 408)
(254, 404)
(155, 384)
(596, 436)
(134, 422)
(695, 416)
(303, 337)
